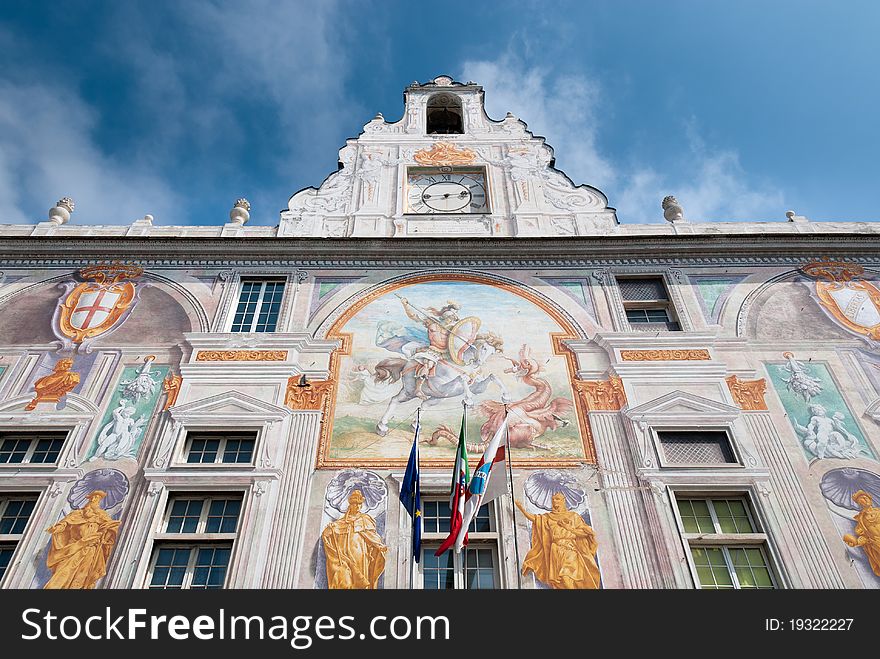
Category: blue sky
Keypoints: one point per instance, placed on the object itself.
(742, 109)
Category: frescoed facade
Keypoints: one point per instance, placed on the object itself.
(688, 405)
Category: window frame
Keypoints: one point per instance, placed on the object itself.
(726, 429)
(163, 539)
(36, 435)
(14, 539)
(197, 433)
(236, 303)
(667, 305)
(476, 540)
(759, 538)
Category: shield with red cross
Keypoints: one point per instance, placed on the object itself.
(93, 308)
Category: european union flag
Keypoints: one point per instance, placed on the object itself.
(410, 495)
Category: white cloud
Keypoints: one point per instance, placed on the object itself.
(568, 110)
(563, 109)
(47, 151)
(202, 79)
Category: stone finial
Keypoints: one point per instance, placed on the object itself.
(672, 210)
(240, 212)
(146, 220)
(793, 217)
(60, 214)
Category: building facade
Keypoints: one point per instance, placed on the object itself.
(687, 405)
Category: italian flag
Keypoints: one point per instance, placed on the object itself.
(460, 477)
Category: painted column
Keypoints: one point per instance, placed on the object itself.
(286, 540)
(640, 565)
(811, 562)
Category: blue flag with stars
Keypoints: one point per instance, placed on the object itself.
(410, 495)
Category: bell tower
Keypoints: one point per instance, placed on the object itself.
(446, 169)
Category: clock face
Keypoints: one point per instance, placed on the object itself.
(451, 191)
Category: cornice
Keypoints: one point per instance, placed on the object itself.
(584, 251)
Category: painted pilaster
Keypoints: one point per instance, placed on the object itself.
(809, 561)
(640, 565)
(286, 538)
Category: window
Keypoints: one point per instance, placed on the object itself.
(30, 447)
(195, 545)
(258, 305)
(444, 115)
(647, 304)
(220, 448)
(15, 511)
(681, 448)
(726, 545)
(476, 567)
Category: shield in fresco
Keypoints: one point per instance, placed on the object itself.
(461, 336)
(852, 302)
(95, 307)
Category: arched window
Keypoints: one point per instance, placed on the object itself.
(444, 115)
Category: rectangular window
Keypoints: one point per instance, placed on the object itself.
(195, 545)
(31, 447)
(15, 512)
(727, 547)
(647, 303)
(220, 448)
(695, 448)
(476, 567)
(259, 303)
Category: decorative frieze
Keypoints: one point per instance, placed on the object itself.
(664, 355)
(241, 356)
(748, 394)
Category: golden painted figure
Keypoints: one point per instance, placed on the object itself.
(81, 545)
(867, 530)
(50, 388)
(563, 553)
(354, 549)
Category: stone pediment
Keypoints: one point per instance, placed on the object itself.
(683, 406)
(228, 405)
(73, 405)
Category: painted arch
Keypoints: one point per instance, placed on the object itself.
(529, 360)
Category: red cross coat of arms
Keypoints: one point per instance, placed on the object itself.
(95, 307)
(851, 301)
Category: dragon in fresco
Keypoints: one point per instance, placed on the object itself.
(530, 417)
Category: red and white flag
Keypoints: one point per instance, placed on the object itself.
(488, 482)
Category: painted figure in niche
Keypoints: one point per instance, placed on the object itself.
(52, 387)
(118, 437)
(867, 533)
(563, 553)
(81, 545)
(531, 416)
(828, 438)
(354, 549)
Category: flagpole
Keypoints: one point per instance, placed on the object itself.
(464, 421)
(415, 518)
(512, 503)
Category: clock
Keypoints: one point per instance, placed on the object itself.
(446, 190)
